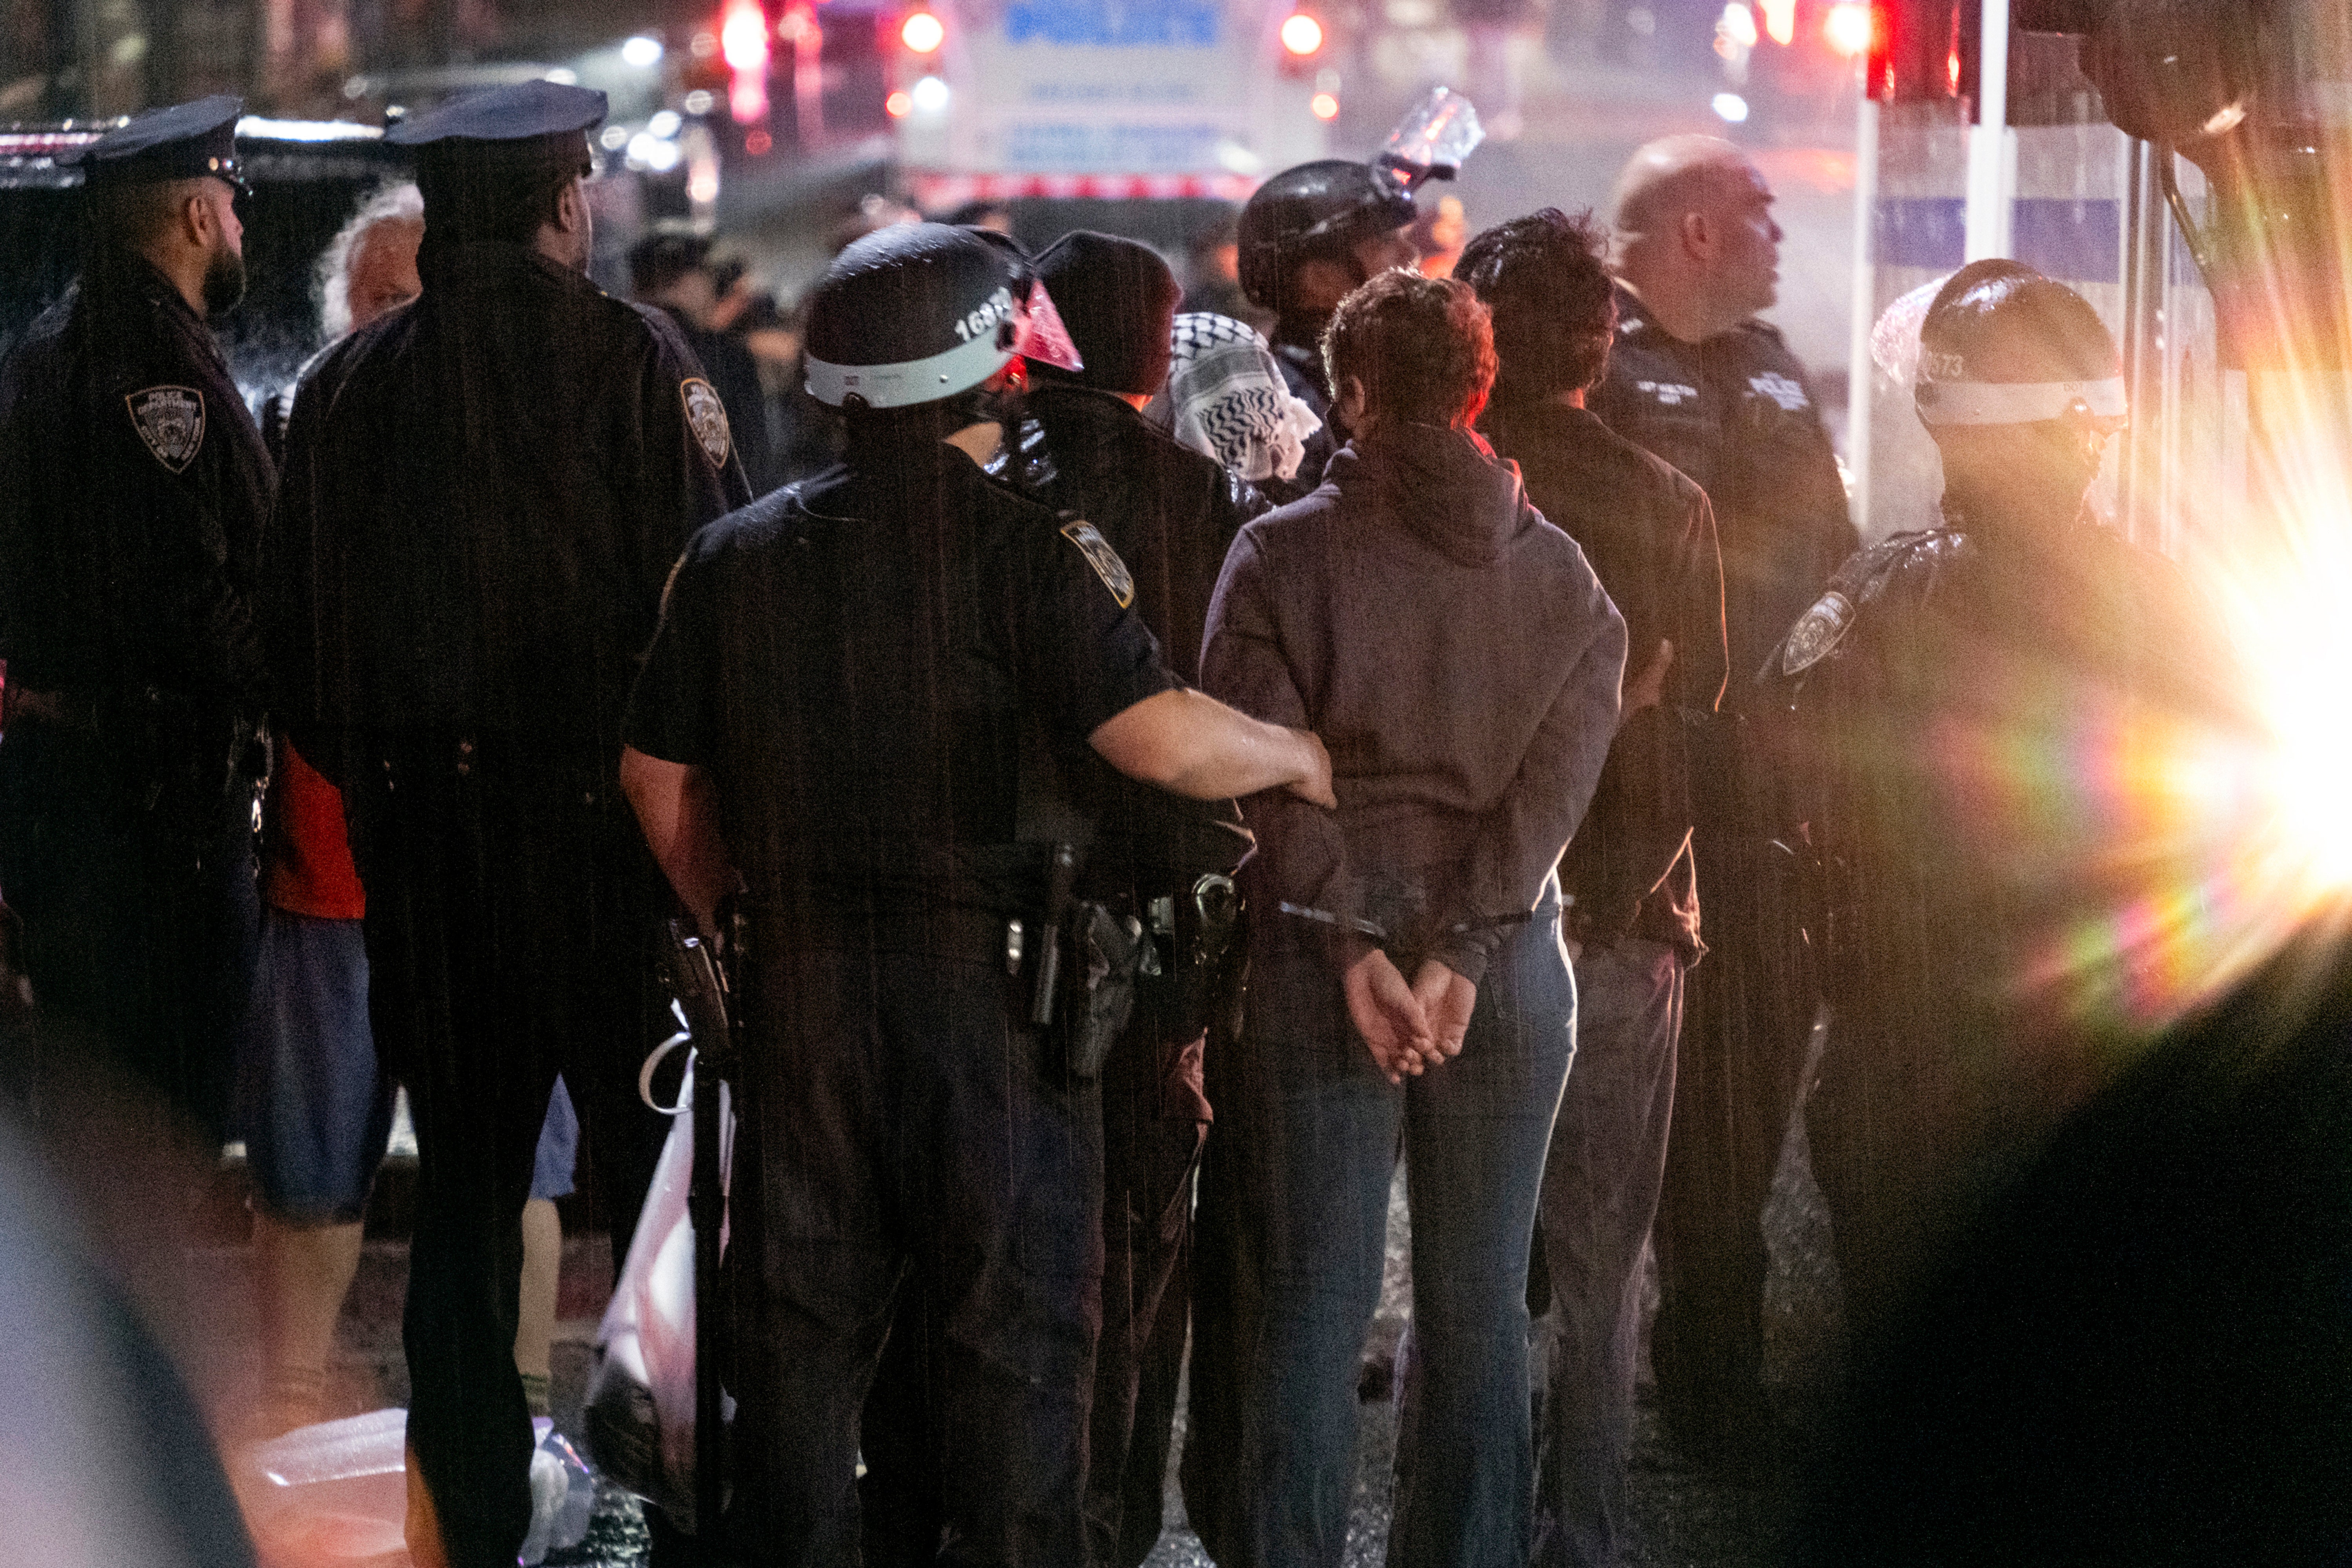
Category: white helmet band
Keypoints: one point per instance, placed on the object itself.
(2018, 402)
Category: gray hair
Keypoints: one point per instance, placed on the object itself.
(398, 200)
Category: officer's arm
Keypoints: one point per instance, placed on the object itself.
(679, 814)
(1191, 744)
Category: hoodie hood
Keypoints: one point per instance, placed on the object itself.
(1445, 487)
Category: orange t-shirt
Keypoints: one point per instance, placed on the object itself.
(310, 869)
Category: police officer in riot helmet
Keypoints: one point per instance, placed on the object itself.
(1085, 450)
(1968, 1014)
(1308, 236)
(133, 486)
(483, 494)
(860, 707)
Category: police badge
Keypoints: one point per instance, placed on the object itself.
(706, 418)
(1102, 559)
(171, 420)
(1816, 633)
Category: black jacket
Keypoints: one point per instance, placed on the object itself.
(1170, 513)
(483, 493)
(1649, 535)
(133, 486)
(1734, 413)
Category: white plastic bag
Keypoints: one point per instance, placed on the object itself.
(641, 1398)
(563, 1497)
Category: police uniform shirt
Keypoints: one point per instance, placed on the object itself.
(484, 492)
(133, 485)
(1171, 514)
(853, 659)
(1938, 671)
(1649, 533)
(1734, 414)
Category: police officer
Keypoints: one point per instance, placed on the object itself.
(1698, 381)
(1945, 692)
(1634, 918)
(1308, 236)
(864, 692)
(133, 490)
(1170, 513)
(483, 494)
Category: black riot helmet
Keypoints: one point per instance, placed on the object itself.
(1319, 209)
(920, 313)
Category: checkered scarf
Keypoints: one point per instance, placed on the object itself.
(1225, 397)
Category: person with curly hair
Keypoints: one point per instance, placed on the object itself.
(1408, 989)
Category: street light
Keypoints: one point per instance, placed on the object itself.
(923, 32)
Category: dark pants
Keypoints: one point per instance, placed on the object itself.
(509, 939)
(1749, 1011)
(1294, 1212)
(904, 1131)
(1600, 1194)
(140, 934)
(1155, 1120)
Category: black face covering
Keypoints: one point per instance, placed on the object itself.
(223, 282)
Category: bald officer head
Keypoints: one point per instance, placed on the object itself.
(1692, 235)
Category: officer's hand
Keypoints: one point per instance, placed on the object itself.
(1447, 1000)
(1387, 1016)
(1313, 784)
(1648, 689)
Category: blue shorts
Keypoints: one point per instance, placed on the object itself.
(313, 1110)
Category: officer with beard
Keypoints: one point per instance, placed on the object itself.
(133, 490)
(484, 492)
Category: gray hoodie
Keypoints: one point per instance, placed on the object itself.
(1460, 661)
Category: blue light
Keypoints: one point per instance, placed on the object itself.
(1731, 107)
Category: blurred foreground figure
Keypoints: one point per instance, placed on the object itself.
(2143, 1354)
(484, 492)
(133, 486)
(1409, 992)
(104, 1459)
(1990, 891)
(1696, 378)
(1634, 916)
(868, 696)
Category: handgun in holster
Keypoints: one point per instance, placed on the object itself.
(1088, 957)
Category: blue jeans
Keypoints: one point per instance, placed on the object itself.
(1600, 1194)
(1293, 1208)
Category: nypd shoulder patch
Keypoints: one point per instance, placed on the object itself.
(1102, 559)
(706, 415)
(171, 420)
(1817, 633)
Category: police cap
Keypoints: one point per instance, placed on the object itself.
(514, 127)
(917, 312)
(186, 142)
(1316, 209)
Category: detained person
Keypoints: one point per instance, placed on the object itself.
(1407, 987)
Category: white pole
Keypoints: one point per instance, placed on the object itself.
(1992, 172)
(1859, 383)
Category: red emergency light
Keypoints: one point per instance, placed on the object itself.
(743, 44)
(1302, 35)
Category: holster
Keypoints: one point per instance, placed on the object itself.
(1103, 952)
